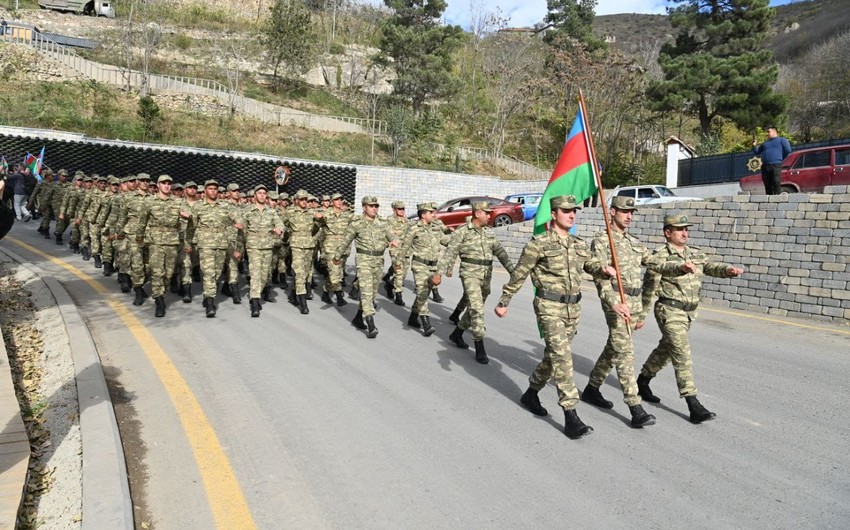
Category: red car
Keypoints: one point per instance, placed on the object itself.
(455, 211)
(809, 170)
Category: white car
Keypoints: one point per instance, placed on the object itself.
(650, 194)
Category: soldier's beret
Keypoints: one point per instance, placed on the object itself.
(260, 187)
(326, 198)
(566, 202)
(62, 172)
(398, 204)
(233, 187)
(336, 196)
(623, 203)
(301, 194)
(425, 206)
(211, 182)
(678, 220)
(190, 184)
(143, 176)
(113, 180)
(164, 178)
(482, 206)
(177, 186)
(370, 199)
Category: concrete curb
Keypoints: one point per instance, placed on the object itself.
(14, 447)
(106, 488)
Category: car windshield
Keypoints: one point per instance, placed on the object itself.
(664, 191)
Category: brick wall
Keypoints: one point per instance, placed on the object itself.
(795, 249)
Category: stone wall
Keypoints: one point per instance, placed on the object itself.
(795, 249)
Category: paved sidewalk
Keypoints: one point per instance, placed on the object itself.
(14, 446)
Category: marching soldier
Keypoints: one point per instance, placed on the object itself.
(394, 278)
(189, 265)
(128, 224)
(263, 228)
(301, 225)
(334, 223)
(64, 205)
(675, 273)
(422, 243)
(112, 201)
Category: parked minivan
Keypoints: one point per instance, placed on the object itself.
(808, 170)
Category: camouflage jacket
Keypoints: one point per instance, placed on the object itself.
(57, 194)
(160, 221)
(301, 227)
(91, 204)
(399, 227)
(333, 226)
(420, 241)
(664, 276)
(108, 215)
(476, 247)
(211, 223)
(131, 209)
(631, 255)
(70, 199)
(556, 265)
(369, 236)
(259, 223)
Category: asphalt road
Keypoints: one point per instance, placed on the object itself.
(325, 428)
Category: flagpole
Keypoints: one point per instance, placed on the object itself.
(605, 214)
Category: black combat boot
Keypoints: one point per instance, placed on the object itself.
(187, 293)
(84, 251)
(58, 239)
(640, 418)
(225, 289)
(388, 287)
(160, 306)
(454, 318)
(574, 428)
(209, 304)
(387, 277)
(457, 338)
(196, 273)
(357, 321)
(46, 233)
(267, 295)
(398, 300)
(275, 277)
(283, 283)
(108, 268)
(644, 391)
(413, 319)
(174, 284)
(124, 281)
(140, 295)
(97, 261)
(309, 294)
(427, 328)
(234, 292)
(340, 300)
(302, 304)
(255, 307)
(699, 413)
(326, 297)
(480, 353)
(531, 401)
(435, 294)
(593, 396)
(371, 330)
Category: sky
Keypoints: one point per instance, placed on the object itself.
(528, 12)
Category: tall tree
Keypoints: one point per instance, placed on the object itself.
(290, 39)
(718, 65)
(572, 20)
(420, 49)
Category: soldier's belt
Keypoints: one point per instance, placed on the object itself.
(631, 291)
(558, 297)
(370, 252)
(482, 262)
(677, 304)
(429, 262)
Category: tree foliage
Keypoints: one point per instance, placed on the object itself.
(290, 40)
(718, 65)
(420, 49)
(572, 20)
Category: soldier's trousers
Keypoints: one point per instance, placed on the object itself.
(122, 261)
(107, 248)
(94, 237)
(400, 275)
(45, 221)
(135, 259)
(619, 353)
(673, 347)
(302, 267)
(284, 258)
(76, 233)
(333, 279)
(422, 281)
(212, 265)
(476, 289)
(161, 259)
(232, 266)
(188, 262)
(261, 270)
(558, 332)
(61, 226)
(369, 272)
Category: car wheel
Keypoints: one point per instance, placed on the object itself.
(502, 220)
(787, 189)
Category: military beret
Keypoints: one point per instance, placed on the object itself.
(233, 187)
(211, 182)
(678, 220)
(422, 206)
(301, 194)
(62, 172)
(164, 178)
(621, 202)
(326, 198)
(398, 204)
(177, 186)
(370, 199)
(113, 180)
(336, 196)
(190, 184)
(273, 195)
(482, 206)
(143, 176)
(566, 202)
(260, 187)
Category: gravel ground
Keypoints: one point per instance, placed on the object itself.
(43, 371)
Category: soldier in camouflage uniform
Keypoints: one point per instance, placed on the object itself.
(64, 203)
(284, 253)
(79, 228)
(476, 245)
(90, 230)
(555, 260)
(675, 274)
(394, 278)
(619, 350)
(36, 200)
(333, 224)
(212, 223)
(110, 201)
(302, 227)
(128, 226)
(189, 264)
(46, 199)
(162, 226)
(263, 228)
(371, 236)
(121, 261)
(230, 287)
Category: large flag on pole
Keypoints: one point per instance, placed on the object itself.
(574, 173)
(35, 164)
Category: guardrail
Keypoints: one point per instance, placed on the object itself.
(512, 165)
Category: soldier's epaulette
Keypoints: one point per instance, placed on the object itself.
(662, 248)
(696, 249)
(541, 235)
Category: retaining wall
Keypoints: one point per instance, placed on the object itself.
(795, 248)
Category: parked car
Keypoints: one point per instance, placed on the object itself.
(529, 202)
(649, 194)
(808, 170)
(455, 211)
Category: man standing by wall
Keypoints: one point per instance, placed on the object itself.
(773, 151)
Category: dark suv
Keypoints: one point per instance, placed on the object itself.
(809, 170)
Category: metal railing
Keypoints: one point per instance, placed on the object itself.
(509, 164)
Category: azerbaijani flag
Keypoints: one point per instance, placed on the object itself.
(35, 164)
(573, 175)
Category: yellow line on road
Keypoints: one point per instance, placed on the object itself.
(229, 507)
(775, 320)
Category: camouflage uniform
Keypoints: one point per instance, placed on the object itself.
(134, 262)
(164, 233)
(399, 227)
(421, 244)
(90, 231)
(260, 239)
(109, 203)
(188, 260)
(64, 204)
(210, 223)
(333, 226)
(302, 229)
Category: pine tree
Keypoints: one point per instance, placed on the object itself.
(718, 65)
(572, 19)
